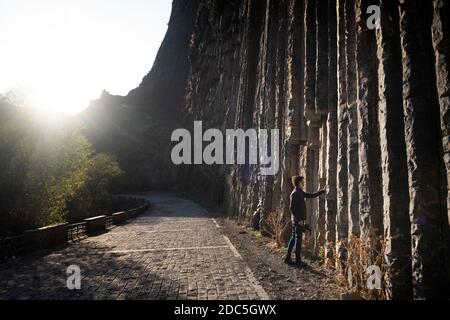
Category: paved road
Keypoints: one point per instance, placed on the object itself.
(174, 251)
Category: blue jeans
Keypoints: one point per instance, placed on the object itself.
(296, 240)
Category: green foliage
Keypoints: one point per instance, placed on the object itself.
(94, 197)
(138, 139)
(48, 171)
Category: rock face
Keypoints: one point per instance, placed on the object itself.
(164, 87)
(363, 112)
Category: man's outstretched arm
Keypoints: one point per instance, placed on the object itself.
(314, 195)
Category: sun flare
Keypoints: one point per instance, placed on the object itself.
(57, 92)
(62, 54)
(62, 88)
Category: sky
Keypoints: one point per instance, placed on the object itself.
(63, 53)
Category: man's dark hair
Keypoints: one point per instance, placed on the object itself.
(296, 180)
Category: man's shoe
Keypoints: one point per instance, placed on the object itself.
(300, 264)
(288, 261)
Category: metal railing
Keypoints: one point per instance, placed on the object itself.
(109, 222)
(76, 232)
(17, 245)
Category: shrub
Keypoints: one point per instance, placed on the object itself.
(275, 226)
(48, 171)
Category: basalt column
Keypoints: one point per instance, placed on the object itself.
(397, 229)
(266, 121)
(422, 132)
(284, 96)
(332, 131)
(322, 111)
(314, 120)
(312, 185)
(371, 216)
(353, 161)
(441, 41)
(323, 157)
(342, 166)
(271, 35)
(296, 127)
(260, 118)
(310, 61)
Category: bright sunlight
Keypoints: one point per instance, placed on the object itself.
(62, 54)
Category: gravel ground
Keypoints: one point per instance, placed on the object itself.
(281, 282)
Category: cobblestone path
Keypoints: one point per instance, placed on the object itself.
(174, 251)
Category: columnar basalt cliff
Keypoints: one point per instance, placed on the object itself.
(362, 112)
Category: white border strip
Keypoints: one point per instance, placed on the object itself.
(232, 247)
(250, 276)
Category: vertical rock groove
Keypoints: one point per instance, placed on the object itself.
(397, 230)
(369, 160)
(342, 165)
(351, 85)
(430, 279)
(332, 131)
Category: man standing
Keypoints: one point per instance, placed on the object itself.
(298, 211)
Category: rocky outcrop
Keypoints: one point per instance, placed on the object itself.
(163, 89)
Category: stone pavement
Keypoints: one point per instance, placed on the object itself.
(174, 251)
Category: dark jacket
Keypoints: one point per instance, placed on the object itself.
(298, 205)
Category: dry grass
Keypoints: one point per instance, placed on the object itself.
(350, 259)
(351, 271)
(275, 226)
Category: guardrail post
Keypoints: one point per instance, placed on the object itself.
(95, 225)
(46, 237)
